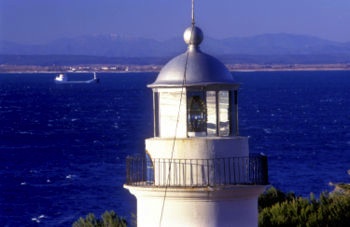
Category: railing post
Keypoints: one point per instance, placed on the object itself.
(142, 170)
(208, 180)
(127, 171)
(198, 169)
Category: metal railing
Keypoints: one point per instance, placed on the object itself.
(142, 171)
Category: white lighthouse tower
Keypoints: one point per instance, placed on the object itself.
(197, 169)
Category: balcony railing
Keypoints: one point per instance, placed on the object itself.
(142, 171)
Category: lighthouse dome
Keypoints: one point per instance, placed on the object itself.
(193, 68)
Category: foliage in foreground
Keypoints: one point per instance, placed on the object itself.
(108, 219)
(279, 209)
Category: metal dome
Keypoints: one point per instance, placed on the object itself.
(193, 68)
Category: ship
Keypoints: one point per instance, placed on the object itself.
(62, 78)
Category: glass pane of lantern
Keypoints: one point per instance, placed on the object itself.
(224, 124)
(156, 113)
(211, 112)
(170, 120)
(196, 113)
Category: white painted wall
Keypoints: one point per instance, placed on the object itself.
(205, 207)
(198, 147)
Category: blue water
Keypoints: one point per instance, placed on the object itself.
(63, 147)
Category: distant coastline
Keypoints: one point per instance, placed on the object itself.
(124, 68)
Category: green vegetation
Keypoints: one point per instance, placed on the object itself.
(108, 219)
(279, 209)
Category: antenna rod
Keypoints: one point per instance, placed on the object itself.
(192, 12)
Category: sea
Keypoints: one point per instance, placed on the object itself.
(63, 146)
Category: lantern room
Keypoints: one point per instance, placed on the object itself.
(195, 95)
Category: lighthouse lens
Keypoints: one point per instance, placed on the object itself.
(197, 115)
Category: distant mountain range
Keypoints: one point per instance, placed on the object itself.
(286, 47)
(98, 45)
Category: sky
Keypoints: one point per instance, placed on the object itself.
(42, 21)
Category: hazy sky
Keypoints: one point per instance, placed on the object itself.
(38, 21)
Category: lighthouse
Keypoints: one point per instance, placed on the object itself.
(197, 169)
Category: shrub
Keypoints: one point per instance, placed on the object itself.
(283, 210)
(272, 196)
(108, 219)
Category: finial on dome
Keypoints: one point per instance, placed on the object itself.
(193, 13)
(193, 35)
